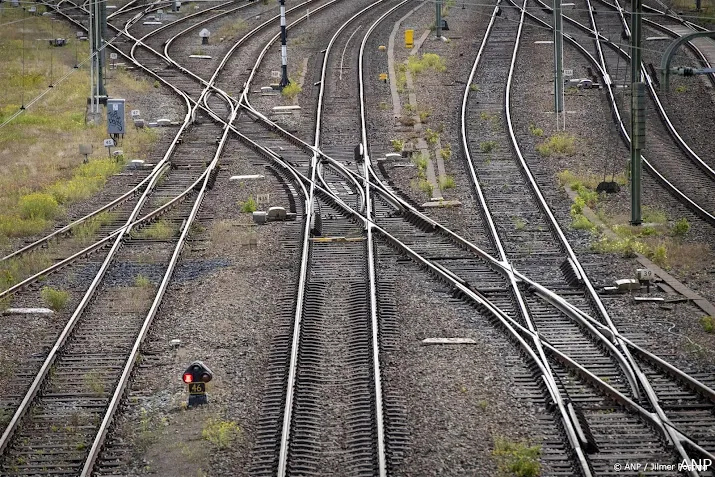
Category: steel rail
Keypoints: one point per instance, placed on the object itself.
(674, 436)
(570, 425)
(134, 354)
(374, 318)
(302, 280)
(89, 294)
(257, 114)
(515, 328)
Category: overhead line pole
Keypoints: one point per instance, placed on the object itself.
(637, 112)
(558, 63)
(438, 18)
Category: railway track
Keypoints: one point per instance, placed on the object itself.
(341, 200)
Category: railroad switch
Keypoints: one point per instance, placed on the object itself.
(196, 376)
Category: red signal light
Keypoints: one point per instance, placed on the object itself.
(188, 378)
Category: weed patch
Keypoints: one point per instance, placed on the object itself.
(55, 299)
(446, 182)
(708, 324)
(249, 206)
(487, 146)
(159, 230)
(518, 458)
(220, 433)
(291, 90)
(559, 144)
(428, 61)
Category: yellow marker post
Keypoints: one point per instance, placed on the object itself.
(409, 38)
(383, 77)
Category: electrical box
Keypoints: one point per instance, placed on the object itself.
(115, 116)
(409, 38)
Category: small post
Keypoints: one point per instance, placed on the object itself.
(558, 63)
(196, 376)
(284, 52)
(637, 112)
(438, 18)
(109, 143)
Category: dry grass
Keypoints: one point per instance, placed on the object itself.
(39, 149)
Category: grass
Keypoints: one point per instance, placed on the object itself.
(487, 146)
(87, 231)
(431, 136)
(249, 206)
(518, 458)
(428, 61)
(231, 29)
(397, 145)
(39, 148)
(159, 230)
(446, 152)
(708, 324)
(446, 182)
(538, 132)
(291, 90)
(560, 144)
(141, 281)
(55, 299)
(474, 87)
(93, 381)
(681, 228)
(220, 433)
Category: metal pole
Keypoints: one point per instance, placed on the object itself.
(96, 51)
(174, 6)
(558, 62)
(101, 59)
(90, 30)
(284, 52)
(637, 112)
(438, 19)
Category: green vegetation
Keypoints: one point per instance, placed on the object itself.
(424, 115)
(87, 231)
(397, 145)
(517, 457)
(159, 230)
(483, 404)
(428, 61)
(401, 79)
(681, 89)
(54, 299)
(292, 90)
(558, 144)
(249, 206)
(38, 149)
(538, 132)
(446, 182)
(708, 324)
(519, 223)
(93, 381)
(681, 227)
(431, 136)
(421, 163)
(425, 186)
(231, 29)
(446, 152)
(487, 146)
(88, 179)
(141, 281)
(474, 87)
(220, 433)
